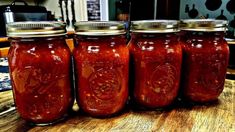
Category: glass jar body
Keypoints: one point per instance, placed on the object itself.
(102, 70)
(205, 63)
(156, 65)
(40, 71)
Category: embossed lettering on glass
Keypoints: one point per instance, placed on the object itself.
(156, 58)
(102, 67)
(205, 59)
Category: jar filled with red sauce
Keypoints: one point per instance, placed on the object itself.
(206, 56)
(156, 57)
(40, 71)
(102, 67)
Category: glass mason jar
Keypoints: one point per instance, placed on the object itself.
(40, 71)
(156, 57)
(205, 60)
(102, 67)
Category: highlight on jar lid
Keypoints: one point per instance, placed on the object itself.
(99, 28)
(204, 25)
(35, 29)
(155, 26)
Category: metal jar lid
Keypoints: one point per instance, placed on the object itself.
(203, 25)
(99, 28)
(35, 29)
(155, 26)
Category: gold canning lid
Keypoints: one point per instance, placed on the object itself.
(99, 28)
(35, 29)
(203, 25)
(155, 26)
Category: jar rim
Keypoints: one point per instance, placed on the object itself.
(155, 26)
(99, 28)
(32, 29)
(203, 25)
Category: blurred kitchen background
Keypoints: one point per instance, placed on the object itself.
(71, 11)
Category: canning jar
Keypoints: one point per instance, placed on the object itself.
(156, 57)
(205, 59)
(102, 67)
(40, 71)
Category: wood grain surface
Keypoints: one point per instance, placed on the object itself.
(6, 101)
(4, 52)
(216, 117)
(3, 39)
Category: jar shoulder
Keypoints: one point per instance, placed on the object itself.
(39, 47)
(38, 53)
(205, 45)
(154, 46)
(101, 50)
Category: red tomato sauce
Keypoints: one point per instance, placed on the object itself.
(40, 70)
(102, 68)
(156, 62)
(204, 67)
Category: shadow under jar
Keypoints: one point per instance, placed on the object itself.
(156, 57)
(102, 67)
(205, 59)
(40, 71)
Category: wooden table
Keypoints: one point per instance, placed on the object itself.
(3, 39)
(219, 116)
(3, 51)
